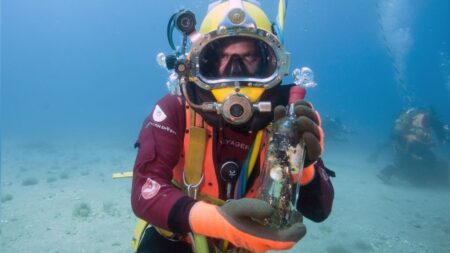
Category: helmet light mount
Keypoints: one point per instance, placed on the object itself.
(236, 16)
(185, 21)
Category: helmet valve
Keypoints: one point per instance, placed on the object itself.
(237, 108)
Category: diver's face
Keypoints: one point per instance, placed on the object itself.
(239, 59)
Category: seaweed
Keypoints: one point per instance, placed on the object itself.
(363, 246)
(6, 197)
(51, 179)
(337, 249)
(64, 175)
(110, 208)
(30, 181)
(81, 210)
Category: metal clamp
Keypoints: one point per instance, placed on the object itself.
(192, 186)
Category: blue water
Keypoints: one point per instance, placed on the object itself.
(89, 65)
(86, 70)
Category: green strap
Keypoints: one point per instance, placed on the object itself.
(200, 243)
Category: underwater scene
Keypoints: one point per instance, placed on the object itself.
(79, 79)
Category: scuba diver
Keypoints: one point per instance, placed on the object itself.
(194, 148)
(336, 130)
(417, 134)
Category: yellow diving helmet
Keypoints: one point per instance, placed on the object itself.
(233, 60)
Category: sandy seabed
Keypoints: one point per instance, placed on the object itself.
(59, 197)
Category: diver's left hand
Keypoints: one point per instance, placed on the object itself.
(310, 129)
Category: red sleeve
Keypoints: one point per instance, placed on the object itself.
(160, 143)
(316, 198)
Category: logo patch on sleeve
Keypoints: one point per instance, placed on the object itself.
(150, 189)
(158, 114)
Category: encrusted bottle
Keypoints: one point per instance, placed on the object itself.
(282, 168)
(284, 159)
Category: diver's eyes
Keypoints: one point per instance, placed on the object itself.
(224, 58)
(250, 57)
(247, 58)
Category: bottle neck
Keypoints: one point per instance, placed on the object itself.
(291, 110)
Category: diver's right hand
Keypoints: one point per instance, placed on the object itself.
(235, 222)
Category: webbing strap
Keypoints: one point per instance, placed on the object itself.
(193, 167)
(192, 175)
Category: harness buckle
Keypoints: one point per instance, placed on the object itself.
(194, 187)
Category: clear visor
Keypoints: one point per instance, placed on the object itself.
(239, 58)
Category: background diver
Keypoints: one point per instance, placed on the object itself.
(417, 135)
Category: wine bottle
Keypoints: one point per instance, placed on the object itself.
(283, 165)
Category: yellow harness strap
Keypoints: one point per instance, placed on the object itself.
(193, 169)
(138, 233)
(193, 176)
(193, 165)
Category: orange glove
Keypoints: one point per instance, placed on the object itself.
(235, 222)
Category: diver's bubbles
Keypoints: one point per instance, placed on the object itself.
(161, 60)
(395, 20)
(173, 84)
(447, 81)
(395, 17)
(304, 77)
(445, 69)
